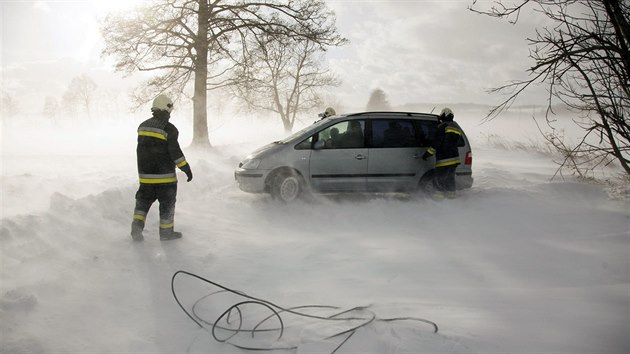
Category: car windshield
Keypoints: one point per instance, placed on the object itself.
(313, 126)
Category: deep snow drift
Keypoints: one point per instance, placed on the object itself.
(516, 264)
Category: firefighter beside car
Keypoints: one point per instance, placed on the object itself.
(446, 153)
(158, 153)
(329, 112)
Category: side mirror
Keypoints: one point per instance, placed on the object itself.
(319, 144)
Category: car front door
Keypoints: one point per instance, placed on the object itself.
(340, 162)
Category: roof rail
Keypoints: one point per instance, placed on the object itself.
(409, 114)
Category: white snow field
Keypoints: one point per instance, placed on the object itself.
(516, 264)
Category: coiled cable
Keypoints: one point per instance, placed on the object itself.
(355, 318)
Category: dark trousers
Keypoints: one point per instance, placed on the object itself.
(444, 178)
(147, 194)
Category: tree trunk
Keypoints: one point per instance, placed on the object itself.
(286, 119)
(200, 97)
(288, 127)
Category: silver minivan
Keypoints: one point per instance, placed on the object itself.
(359, 152)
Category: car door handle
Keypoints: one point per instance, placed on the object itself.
(360, 157)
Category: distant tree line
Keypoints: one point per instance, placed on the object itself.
(9, 106)
(84, 100)
(78, 101)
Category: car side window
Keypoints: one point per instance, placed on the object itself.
(393, 133)
(426, 131)
(305, 144)
(344, 135)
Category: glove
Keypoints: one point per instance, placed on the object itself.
(428, 153)
(186, 169)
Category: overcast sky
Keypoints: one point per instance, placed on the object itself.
(415, 50)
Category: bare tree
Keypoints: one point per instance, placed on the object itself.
(51, 107)
(584, 59)
(282, 75)
(9, 105)
(378, 101)
(204, 39)
(80, 93)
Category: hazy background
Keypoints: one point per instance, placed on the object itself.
(529, 266)
(415, 51)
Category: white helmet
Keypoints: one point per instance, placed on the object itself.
(162, 103)
(329, 112)
(447, 114)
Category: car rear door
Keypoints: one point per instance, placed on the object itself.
(396, 147)
(341, 164)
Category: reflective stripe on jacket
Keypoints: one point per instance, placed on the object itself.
(447, 162)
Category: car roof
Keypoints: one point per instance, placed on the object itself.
(389, 114)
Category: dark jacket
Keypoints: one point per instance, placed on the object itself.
(158, 151)
(445, 143)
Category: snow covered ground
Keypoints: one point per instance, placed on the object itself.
(517, 264)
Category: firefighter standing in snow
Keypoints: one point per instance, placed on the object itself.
(446, 153)
(158, 153)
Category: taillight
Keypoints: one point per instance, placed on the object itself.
(468, 160)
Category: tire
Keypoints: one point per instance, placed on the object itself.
(286, 187)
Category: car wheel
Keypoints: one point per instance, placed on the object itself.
(286, 187)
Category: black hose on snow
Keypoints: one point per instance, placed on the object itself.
(360, 314)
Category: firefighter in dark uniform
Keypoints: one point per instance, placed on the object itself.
(446, 153)
(158, 153)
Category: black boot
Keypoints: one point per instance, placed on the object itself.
(169, 234)
(136, 230)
